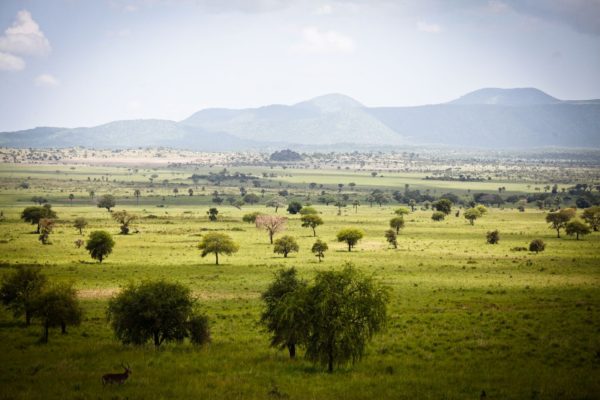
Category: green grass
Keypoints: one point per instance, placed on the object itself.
(465, 316)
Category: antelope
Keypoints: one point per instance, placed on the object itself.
(117, 378)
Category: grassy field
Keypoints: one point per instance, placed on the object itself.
(465, 316)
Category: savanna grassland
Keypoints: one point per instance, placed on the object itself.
(464, 316)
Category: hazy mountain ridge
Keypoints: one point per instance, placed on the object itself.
(493, 118)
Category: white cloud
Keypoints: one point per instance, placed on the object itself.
(8, 62)
(46, 80)
(324, 9)
(315, 40)
(24, 37)
(429, 28)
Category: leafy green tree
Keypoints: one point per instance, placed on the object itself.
(58, 306)
(71, 198)
(402, 211)
(558, 220)
(482, 209)
(308, 210)
(311, 221)
(35, 214)
(107, 201)
(471, 215)
(397, 223)
(351, 236)
(217, 243)
(319, 248)
(592, 217)
(284, 314)
(80, 224)
(159, 311)
(251, 198)
(493, 237)
(294, 207)
(412, 204)
(20, 289)
(537, 245)
(438, 216)
(443, 205)
(212, 214)
(124, 218)
(285, 245)
(276, 202)
(577, 227)
(251, 217)
(392, 237)
(345, 309)
(100, 244)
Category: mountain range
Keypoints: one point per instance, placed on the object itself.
(487, 118)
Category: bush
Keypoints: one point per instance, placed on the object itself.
(438, 216)
(199, 329)
(537, 245)
(493, 237)
(251, 217)
(294, 207)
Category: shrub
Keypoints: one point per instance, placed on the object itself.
(438, 216)
(294, 207)
(100, 244)
(493, 237)
(251, 217)
(199, 329)
(537, 245)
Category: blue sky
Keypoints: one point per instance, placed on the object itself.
(82, 63)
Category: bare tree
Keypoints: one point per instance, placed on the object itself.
(271, 223)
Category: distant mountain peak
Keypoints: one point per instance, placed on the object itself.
(507, 97)
(331, 103)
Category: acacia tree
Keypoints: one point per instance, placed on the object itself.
(80, 224)
(217, 243)
(397, 223)
(58, 306)
(577, 227)
(271, 223)
(558, 220)
(285, 245)
(107, 201)
(443, 205)
(100, 244)
(137, 193)
(351, 236)
(124, 218)
(401, 211)
(311, 221)
(71, 198)
(319, 248)
(276, 203)
(591, 215)
(284, 314)
(471, 215)
(20, 289)
(156, 310)
(345, 310)
(46, 228)
(35, 214)
(391, 237)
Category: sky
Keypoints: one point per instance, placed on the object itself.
(73, 63)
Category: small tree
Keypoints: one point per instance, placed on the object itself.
(190, 192)
(58, 306)
(412, 204)
(284, 314)
(100, 244)
(592, 217)
(251, 217)
(80, 224)
(311, 221)
(285, 245)
(493, 237)
(35, 214)
(212, 214)
(124, 218)
(308, 210)
(471, 215)
(578, 228)
(345, 309)
(71, 198)
(351, 236)
(137, 193)
(271, 223)
(402, 211)
(107, 201)
(537, 245)
(558, 220)
(397, 223)
(443, 205)
(251, 198)
(392, 237)
(20, 289)
(294, 207)
(46, 228)
(158, 311)
(319, 248)
(276, 203)
(217, 243)
(438, 216)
